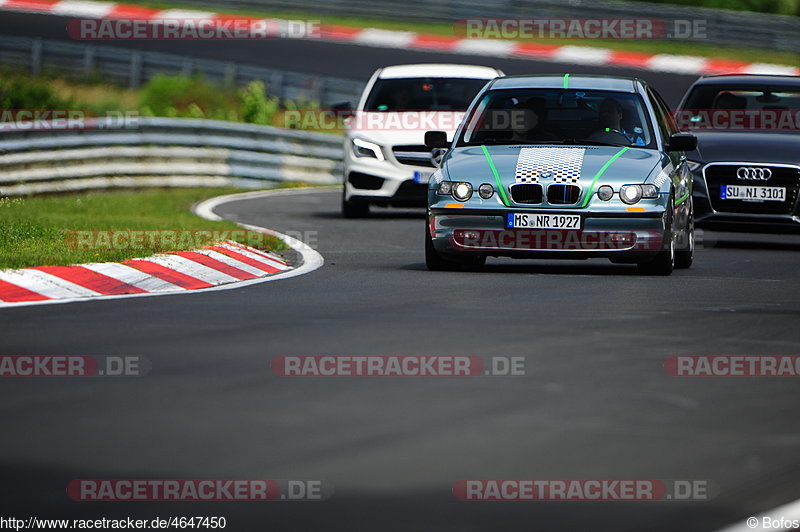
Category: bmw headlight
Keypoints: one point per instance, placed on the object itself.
(649, 192)
(365, 148)
(445, 188)
(462, 191)
(605, 193)
(630, 194)
(486, 191)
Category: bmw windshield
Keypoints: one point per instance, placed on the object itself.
(537, 116)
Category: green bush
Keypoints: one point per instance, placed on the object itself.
(257, 107)
(183, 96)
(26, 93)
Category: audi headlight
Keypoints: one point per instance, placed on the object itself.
(445, 188)
(486, 191)
(462, 191)
(605, 193)
(630, 194)
(365, 148)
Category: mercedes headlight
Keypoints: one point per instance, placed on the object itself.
(365, 148)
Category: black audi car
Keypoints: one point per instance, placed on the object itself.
(747, 164)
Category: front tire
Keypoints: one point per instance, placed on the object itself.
(664, 261)
(685, 257)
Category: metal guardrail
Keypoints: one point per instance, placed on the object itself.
(134, 67)
(163, 152)
(724, 27)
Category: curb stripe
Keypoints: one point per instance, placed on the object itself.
(193, 268)
(207, 261)
(132, 276)
(231, 261)
(45, 284)
(255, 251)
(166, 274)
(263, 266)
(90, 279)
(12, 293)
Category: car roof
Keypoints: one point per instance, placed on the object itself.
(443, 70)
(570, 81)
(750, 79)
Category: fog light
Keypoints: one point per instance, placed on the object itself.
(630, 194)
(486, 191)
(605, 193)
(462, 191)
(445, 188)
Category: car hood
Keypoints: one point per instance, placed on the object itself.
(634, 165)
(756, 147)
(407, 128)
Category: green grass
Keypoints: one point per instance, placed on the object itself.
(744, 53)
(34, 231)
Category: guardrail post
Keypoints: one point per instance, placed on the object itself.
(88, 60)
(36, 56)
(276, 85)
(187, 68)
(136, 70)
(230, 74)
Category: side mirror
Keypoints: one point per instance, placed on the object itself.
(436, 139)
(682, 142)
(343, 109)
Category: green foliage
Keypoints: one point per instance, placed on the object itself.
(20, 93)
(183, 96)
(257, 107)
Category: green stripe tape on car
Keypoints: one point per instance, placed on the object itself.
(496, 176)
(600, 174)
(683, 198)
(566, 81)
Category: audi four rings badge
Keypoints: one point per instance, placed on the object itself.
(753, 173)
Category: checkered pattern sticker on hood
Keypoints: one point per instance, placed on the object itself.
(563, 165)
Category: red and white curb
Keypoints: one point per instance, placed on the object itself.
(578, 55)
(221, 266)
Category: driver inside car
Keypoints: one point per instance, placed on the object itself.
(611, 116)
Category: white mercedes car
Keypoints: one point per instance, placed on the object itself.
(386, 162)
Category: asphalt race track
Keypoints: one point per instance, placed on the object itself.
(595, 401)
